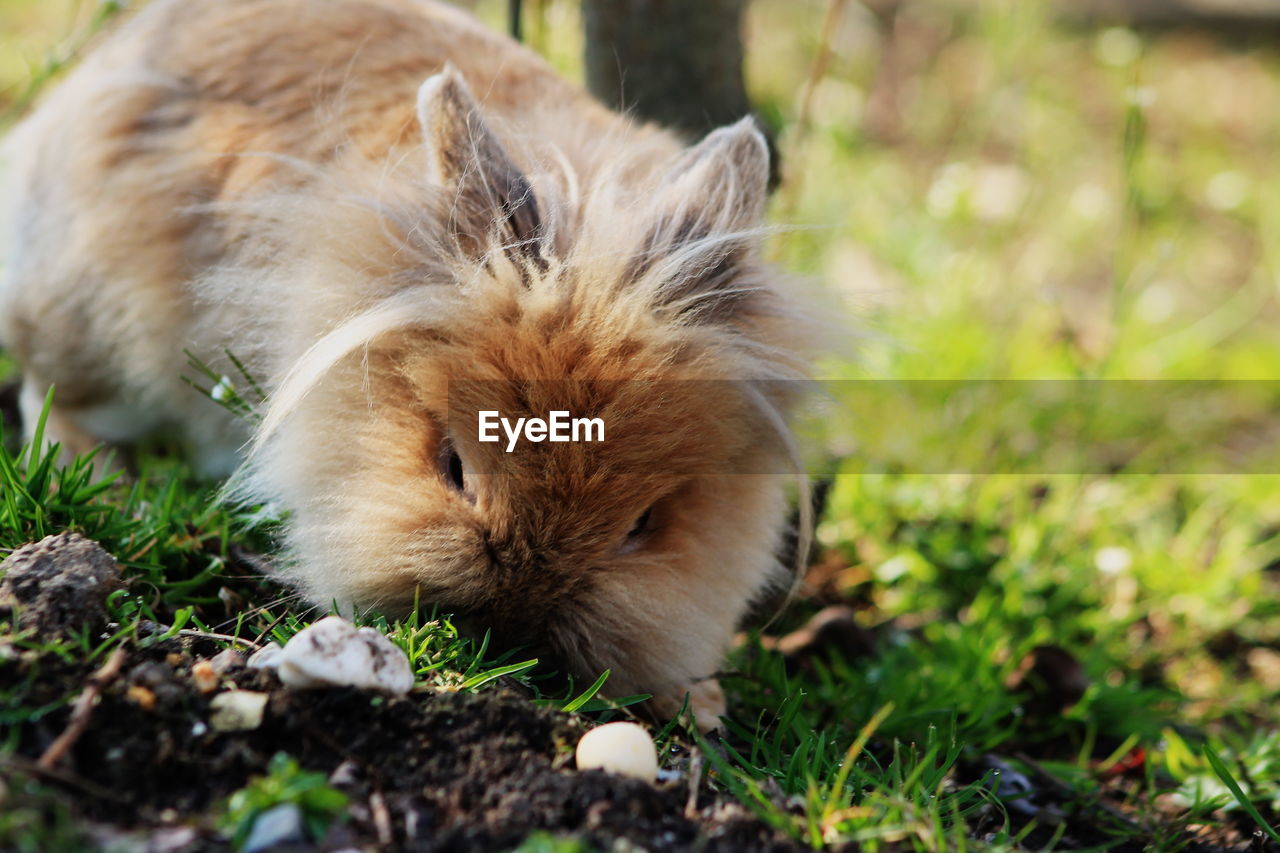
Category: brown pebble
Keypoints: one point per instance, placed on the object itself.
(173, 659)
(205, 676)
(141, 696)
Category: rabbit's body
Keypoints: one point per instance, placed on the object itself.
(273, 178)
(114, 172)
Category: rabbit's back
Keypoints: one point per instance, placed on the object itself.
(128, 182)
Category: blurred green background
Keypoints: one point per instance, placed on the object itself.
(989, 191)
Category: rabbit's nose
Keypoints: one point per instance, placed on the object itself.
(515, 555)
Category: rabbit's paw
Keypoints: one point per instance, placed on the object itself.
(706, 703)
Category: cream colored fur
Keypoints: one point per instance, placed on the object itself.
(366, 199)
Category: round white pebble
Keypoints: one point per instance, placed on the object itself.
(335, 652)
(622, 748)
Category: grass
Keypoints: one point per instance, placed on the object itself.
(284, 784)
(993, 194)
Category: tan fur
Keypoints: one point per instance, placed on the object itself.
(273, 177)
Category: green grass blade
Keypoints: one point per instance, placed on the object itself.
(484, 678)
(1224, 773)
(588, 694)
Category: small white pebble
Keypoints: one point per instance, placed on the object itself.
(237, 710)
(622, 748)
(267, 657)
(334, 652)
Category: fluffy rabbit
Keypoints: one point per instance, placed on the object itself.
(371, 203)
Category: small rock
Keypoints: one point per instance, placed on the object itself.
(281, 824)
(622, 748)
(226, 660)
(151, 674)
(160, 680)
(267, 657)
(204, 676)
(334, 652)
(143, 697)
(165, 839)
(237, 710)
(1012, 788)
(58, 585)
(345, 774)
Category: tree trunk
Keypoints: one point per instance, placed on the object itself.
(675, 62)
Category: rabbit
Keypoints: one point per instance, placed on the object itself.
(394, 218)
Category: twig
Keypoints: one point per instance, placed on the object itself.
(695, 779)
(266, 632)
(83, 709)
(804, 119)
(821, 59)
(17, 763)
(210, 635)
(381, 818)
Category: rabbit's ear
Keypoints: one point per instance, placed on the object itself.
(723, 181)
(490, 195)
(709, 213)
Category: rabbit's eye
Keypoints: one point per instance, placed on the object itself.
(450, 465)
(639, 534)
(642, 525)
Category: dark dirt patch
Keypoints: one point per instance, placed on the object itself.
(440, 771)
(58, 586)
(429, 772)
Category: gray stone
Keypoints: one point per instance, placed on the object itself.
(58, 586)
(279, 825)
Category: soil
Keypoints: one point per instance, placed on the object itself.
(433, 771)
(143, 769)
(143, 766)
